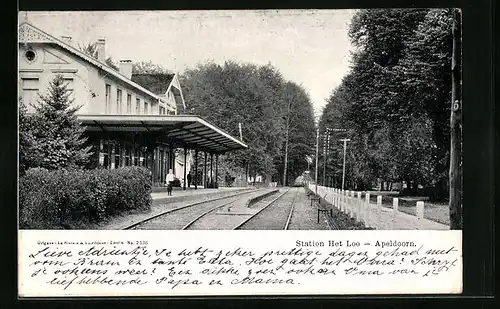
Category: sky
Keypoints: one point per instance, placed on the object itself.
(309, 47)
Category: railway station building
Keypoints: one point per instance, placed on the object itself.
(126, 122)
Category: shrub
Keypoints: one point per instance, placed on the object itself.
(66, 198)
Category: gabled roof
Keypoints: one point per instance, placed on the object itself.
(31, 34)
(159, 83)
(156, 83)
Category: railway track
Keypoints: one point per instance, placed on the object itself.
(178, 216)
(270, 221)
(287, 224)
(276, 214)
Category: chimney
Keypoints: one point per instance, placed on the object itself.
(125, 67)
(66, 39)
(101, 50)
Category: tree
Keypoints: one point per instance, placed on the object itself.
(58, 138)
(455, 203)
(254, 96)
(395, 97)
(91, 50)
(298, 129)
(425, 73)
(148, 67)
(27, 156)
(109, 61)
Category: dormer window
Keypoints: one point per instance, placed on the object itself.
(30, 55)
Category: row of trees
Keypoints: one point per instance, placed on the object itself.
(395, 99)
(276, 117)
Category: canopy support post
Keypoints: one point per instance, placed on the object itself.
(205, 171)
(185, 163)
(216, 171)
(196, 169)
(211, 169)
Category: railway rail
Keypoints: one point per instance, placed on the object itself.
(164, 214)
(274, 214)
(258, 215)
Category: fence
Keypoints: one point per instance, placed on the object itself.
(375, 215)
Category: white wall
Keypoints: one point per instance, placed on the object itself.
(88, 81)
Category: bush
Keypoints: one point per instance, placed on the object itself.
(66, 198)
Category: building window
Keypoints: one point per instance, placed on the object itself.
(162, 110)
(118, 101)
(30, 55)
(108, 98)
(137, 106)
(29, 91)
(70, 87)
(145, 108)
(129, 103)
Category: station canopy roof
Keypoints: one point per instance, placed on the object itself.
(186, 130)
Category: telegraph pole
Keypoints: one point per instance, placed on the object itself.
(345, 140)
(241, 132)
(338, 130)
(316, 169)
(456, 126)
(325, 153)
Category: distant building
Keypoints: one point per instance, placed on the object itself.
(127, 122)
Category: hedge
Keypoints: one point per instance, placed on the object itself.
(55, 199)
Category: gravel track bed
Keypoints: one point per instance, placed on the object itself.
(273, 217)
(304, 215)
(219, 220)
(226, 218)
(128, 218)
(176, 220)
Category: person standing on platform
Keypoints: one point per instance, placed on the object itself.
(169, 180)
(189, 177)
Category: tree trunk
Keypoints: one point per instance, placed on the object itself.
(286, 159)
(456, 127)
(286, 139)
(246, 173)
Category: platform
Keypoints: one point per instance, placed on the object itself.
(179, 193)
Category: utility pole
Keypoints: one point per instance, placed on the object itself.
(456, 126)
(345, 140)
(241, 131)
(336, 130)
(326, 153)
(316, 169)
